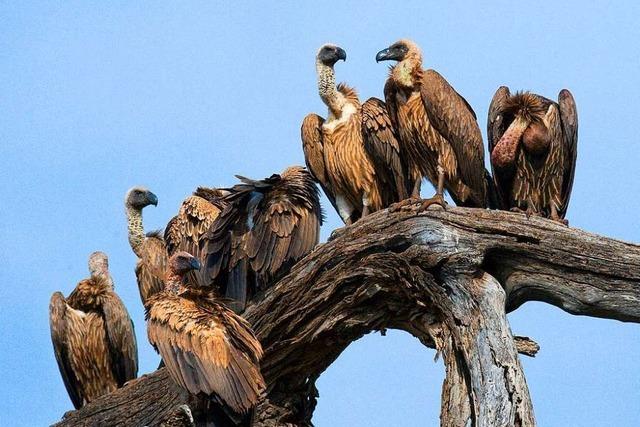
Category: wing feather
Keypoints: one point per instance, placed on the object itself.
(58, 324)
(453, 117)
(312, 146)
(382, 145)
(121, 338)
(198, 342)
(569, 118)
(151, 268)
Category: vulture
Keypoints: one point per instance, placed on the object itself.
(354, 153)
(149, 248)
(93, 337)
(437, 128)
(533, 146)
(207, 348)
(265, 228)
(196, 215)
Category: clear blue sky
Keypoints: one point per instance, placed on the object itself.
(96, 97)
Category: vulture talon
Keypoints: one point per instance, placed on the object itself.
(404, 205)
(438, 199)
(336, 233)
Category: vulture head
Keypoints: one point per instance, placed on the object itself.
(98, 264)
(524, 114)
(140, 197)
(183, 262)
(400, 51)
(329, 54)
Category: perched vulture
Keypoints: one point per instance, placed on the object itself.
(533, 145)
(266, 227)
(206, 347)
(354, 154)
(439, 135)
(150, 248)
(93, 337)
(196, 215)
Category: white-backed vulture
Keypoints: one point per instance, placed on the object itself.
(439, 135)
(533, 146)
(149, 248)
(354, 154)
(93, 337)
(206, 347)
(266, 227)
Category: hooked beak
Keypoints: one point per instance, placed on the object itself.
(152, 199)
(341, 54)
(386, 55)
(195, 264)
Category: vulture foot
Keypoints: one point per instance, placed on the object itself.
(404, 205)
(336, 233)
(438, 199)
(555, 217)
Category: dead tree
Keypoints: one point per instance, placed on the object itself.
(447, 277)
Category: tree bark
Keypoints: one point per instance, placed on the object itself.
(446, 277)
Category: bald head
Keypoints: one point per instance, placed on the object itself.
(329, 54)
(182, 262)
(98, 264)
(140, 197)
(401, 50)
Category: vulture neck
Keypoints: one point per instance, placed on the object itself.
(327, 89)
(505, 151)
(175, 283)
(136, 230)
(407, 73)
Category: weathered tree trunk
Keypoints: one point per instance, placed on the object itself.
(445, 277)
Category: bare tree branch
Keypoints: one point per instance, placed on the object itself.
(432, 274)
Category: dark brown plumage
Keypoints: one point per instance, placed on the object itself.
(266, 227)
(207, 349)
(439, 135)
(354, 154)
(149, 248)
(194, 219)
(93, 336)
(533, 147)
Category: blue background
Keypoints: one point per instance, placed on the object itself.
(96, 97)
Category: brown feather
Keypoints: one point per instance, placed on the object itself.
(254, 236)
(436, 127)
(542, 175)
(93, 339)
(206, 347)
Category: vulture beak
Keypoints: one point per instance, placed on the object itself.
(195, 264)
(341, 54)
(152, 198)
(388, 54)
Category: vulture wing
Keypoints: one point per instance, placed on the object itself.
(207, 349)
(121, 338)
(382, 146)
(496, 127)
(284, 228)
(151, 268)
(58, 314)
(569, 118)
(186, 230)
(390, 91)
(453, 117)
(313, 148)
(223, 249)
